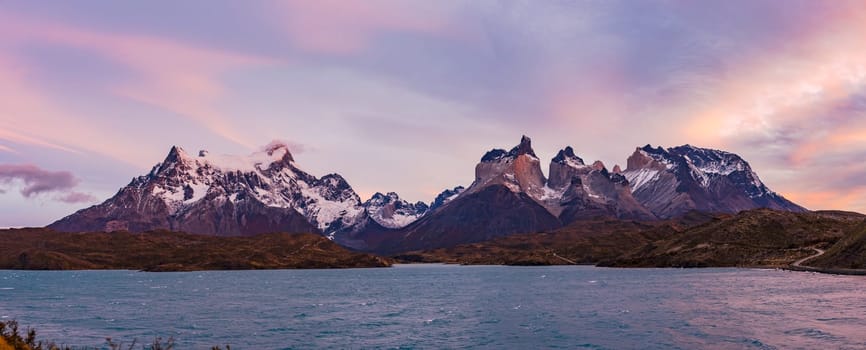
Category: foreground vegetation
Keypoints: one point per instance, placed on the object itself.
(13, 338)
(45, 249)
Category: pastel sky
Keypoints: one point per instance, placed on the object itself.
(406, 95)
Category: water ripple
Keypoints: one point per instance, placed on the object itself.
(441, 306)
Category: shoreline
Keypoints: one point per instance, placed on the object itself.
(828, 271)
(798, 266)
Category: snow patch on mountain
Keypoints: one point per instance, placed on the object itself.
(549, 194)
(274, 152)
(269, 176)
(707, 163)
(390, 211)
(639, 178)
(574, 163)
(324, 211)
(195, 192)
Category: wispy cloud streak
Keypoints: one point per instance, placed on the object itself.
(177, 77)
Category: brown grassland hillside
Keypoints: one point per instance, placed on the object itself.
(755, 238)
(848, 253)
(45, 249)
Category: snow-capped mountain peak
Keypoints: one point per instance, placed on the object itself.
(671, 181)
(708, 163)
(390, 211)
(273, 154)
(269, 178)
(711, 161)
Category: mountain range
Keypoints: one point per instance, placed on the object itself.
(267, 192)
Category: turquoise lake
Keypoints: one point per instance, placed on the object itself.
(443, 306)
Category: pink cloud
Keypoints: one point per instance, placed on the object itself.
(793, 104)
(174, 76)
(851, 198)
(28, 116)
(787, 106)
(76, 197)
(11, 136)
(38, 181)
(294, 147)
(7, 149)
(25, 111)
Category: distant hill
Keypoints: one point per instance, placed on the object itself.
(44, 249)
(848, 253)
(760, 237)
(584, 242)
(589, 243)
(755, 238)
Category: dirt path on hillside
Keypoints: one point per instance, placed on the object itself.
(798, 266)
(565, 259)
(799, 263)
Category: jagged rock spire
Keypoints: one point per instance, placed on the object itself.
(566, 154)
(176, 154)
(525, 147)
(518, 169)
(497, 154)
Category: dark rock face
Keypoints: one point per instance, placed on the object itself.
(566, 154)
(494, 211)
(601, 194)
(525, 147)
(128, 210)
(670, 182)
(245, 218)
(367, 235)
(445, 197)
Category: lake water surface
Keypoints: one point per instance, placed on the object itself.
(439, 306)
